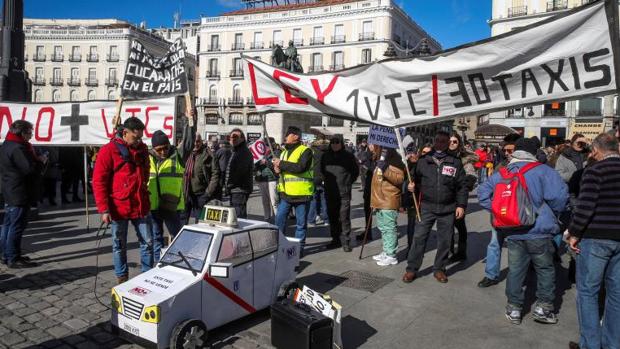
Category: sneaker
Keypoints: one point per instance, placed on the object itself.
(514, 315)
(544, 316)
(486, 282)
(379, 257)
(319, 221)
(387, 260)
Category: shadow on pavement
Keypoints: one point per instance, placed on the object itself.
(355, 332)
(45, 278)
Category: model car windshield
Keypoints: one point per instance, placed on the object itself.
(193, 245)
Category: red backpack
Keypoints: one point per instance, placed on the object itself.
(512, 207)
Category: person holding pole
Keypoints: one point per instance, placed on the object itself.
(385, 194)
(121, 193)
(441, 179)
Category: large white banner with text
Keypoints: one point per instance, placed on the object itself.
(568, 56)
(86, 123)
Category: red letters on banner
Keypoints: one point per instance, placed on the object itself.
(37, 126)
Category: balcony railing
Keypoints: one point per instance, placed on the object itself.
(336, 67)
(517, 11)
(111, 81)
(557, 5)
(38, 57)
(249, 101)
(92, 57)
(212, 119)
(113, 57)
(91, 82)
(213, 74)
(58, 57)
(236, 73)
(75, 58)
(298, 42)
(213, 48)
(56, 81)
(319, 40)
(237, 46)
(314, 69)
(74, 82)
(335, 122)
(277, 42)
(209, 101)
(235, 119)
(258, 45)
(38, 80)
(367, 36)
(235, 101)
(339, 39)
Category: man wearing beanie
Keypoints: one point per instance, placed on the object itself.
(549, 195)
(296, 183)
(166, 191)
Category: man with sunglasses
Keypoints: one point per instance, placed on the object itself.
(573, 158)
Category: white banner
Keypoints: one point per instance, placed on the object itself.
(86, 123)
(565, 57)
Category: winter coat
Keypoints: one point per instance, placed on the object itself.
(548, 192)
(339, 170)
(120, 185)
(569, 162)
(222, 156)
(206, 175)
(239, 170)
(305, 163)
(21, 174)
(319, 148)
(385, 191)
(443, 186)
(469, 160)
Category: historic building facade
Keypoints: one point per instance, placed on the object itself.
(556, 121)
(330, 35)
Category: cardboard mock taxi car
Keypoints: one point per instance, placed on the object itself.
(213, 272)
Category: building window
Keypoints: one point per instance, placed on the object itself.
(317, 63)
(92, 54)
(38, 95)
(74, 96)
(366, 56)
(238, 44)
(57, 57)
(39, 55)
(236, 96)
(91, 95)
(211, 119)
(213, 94)
(337, 61)
(235, 119)
(212, 68)
(335, 122)
(113, 54)
(258, 41)
(75, 54)
(237, 70)
(367, 31)
(255, 119)
(339, 36)
(317, 36)
(111, 95)
(297, 39)
(277, 38)
(590, 107)
(555, 109)
(215, 43)
(56, 96)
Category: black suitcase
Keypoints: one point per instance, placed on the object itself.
(298, 326)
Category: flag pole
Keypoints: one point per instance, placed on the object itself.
(117, 116)
(86, 189)
(263, 119)
(404, 159)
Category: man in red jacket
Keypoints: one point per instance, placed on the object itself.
(121, 193)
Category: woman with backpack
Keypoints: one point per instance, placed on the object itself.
(469, 159)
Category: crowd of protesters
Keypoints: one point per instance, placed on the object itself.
(573, 193)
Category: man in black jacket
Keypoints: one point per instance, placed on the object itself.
(441, 179)
(21, 176)
(238, 181)
(339, 169)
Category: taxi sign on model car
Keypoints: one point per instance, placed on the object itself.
(213, 272)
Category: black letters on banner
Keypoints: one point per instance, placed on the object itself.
(147, 76)
(527, 75)
(555, 76)
(606, 78)
(502, 82)
(462, 92)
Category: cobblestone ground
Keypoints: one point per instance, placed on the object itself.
(54, 306)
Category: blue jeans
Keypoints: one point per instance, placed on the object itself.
(494, 256)
(119, 244)
(173, 224)
(15, 222)
(318, 205)
(520, 254)
(301, 216)
(599, 260)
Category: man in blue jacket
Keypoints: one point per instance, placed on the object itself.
(549, 195)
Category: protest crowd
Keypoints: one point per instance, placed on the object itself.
(563, 200)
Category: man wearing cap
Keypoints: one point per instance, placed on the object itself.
(296, 183)
(549, 195)
(238, 183)
(339, 169)
(166, 191)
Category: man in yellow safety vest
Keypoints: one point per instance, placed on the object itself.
(296, 183)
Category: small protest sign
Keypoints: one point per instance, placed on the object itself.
(259, 150)
(384, 136)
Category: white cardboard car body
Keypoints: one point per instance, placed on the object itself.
(228, 284)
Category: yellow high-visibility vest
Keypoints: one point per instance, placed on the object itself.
(296, 184)
(170, 173)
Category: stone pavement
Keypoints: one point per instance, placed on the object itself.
(53, 305)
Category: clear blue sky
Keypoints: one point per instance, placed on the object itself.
(452, 22)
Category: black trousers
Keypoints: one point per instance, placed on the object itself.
(239, 202)
(461, 228)
(339, 213)
(445, 231)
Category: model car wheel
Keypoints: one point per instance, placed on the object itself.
(189, 334)
(286, 290)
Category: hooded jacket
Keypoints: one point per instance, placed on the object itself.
(548, 193)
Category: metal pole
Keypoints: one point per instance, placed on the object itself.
(86, 189)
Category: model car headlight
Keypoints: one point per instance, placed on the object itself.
(151, 314)
(116, 302)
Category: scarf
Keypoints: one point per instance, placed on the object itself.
(11, 137)
(522, 155)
